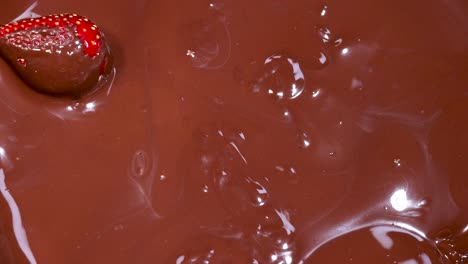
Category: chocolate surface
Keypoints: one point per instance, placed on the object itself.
(246, 132)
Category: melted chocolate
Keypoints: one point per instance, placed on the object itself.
(246, 132)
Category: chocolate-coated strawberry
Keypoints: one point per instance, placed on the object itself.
(62, 54)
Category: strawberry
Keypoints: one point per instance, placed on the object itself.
(62, 54)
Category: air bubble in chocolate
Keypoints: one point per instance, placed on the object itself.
(281, 77)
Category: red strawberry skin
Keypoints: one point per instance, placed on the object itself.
(62, 55)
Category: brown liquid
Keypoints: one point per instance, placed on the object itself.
(246, 132)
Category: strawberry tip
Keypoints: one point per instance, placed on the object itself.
(85, 29)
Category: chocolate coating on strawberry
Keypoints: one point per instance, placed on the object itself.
(59, 54)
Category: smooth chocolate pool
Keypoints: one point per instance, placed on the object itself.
(262, 131)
